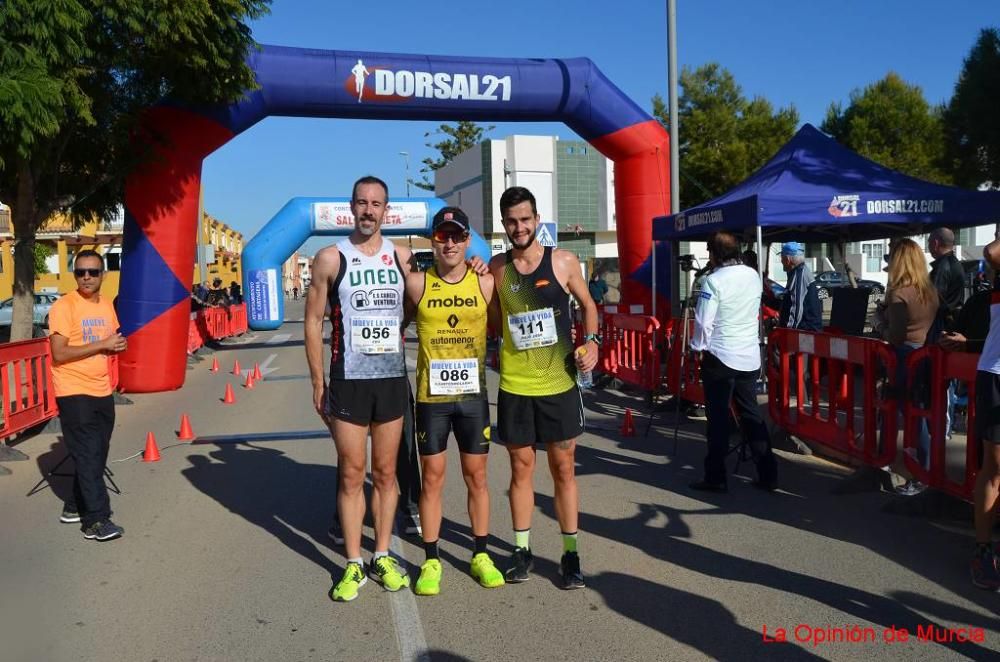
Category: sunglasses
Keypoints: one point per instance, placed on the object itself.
(442, 236)
(93, 273)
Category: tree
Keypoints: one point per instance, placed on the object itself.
(461, 136)
(75, 77)
(891, 123)
(971, 124)
(724, 137)
(41, 253)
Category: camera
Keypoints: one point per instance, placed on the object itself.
(686, 262)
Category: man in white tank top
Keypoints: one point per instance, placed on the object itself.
(362, 278)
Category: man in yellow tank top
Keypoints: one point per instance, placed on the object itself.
(539, 401)
(450, 303)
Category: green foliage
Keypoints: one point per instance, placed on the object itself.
(76, 74)
(460, 137)
(971, 118)
(724, 137)
(41, 253)
(890, 122)
(75, 77)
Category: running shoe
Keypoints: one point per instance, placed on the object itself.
(521, 563)
(569, 568)
(386, 571)
(69, 516)
(986, 571)
(429, 581)
(103, 530)
(347, 588)
(335, 533)
(484, 572)
(409, 524)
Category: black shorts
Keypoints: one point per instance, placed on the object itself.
(469, 419)
(533, 419)
(988, 406)
(363, 401)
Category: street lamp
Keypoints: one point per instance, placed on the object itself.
(406, 162)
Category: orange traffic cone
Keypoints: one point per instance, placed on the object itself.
(229, 398)
(628, 427)
(186, 433)
(215, 364)
(152, 453)
(256, 372)
(236, 367)
(249, 382)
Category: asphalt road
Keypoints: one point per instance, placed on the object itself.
(225, 555)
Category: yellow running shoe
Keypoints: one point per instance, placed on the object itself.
(429, 581)
(484, 572)
(386, 571)
(347, 588)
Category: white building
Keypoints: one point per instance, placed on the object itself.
(572, 182)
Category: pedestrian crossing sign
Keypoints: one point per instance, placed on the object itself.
(546, 234)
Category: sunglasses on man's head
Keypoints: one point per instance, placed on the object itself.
(442, 236)
(93, 273)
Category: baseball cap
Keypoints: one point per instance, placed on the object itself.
(792, 248)
(452, 215)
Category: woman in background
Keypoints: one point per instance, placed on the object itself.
(911, 309)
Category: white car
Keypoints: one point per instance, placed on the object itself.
(43, 302)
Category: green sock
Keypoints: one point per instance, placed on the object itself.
(569, 542)
(522, 538)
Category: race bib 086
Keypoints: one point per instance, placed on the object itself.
(454, 377)
(375, 335)
(536, 328)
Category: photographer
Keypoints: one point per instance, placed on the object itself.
(726, 333)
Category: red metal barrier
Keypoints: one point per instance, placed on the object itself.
(633, 350)
(931, 369)
(26, 382)
(113, 365)
(238, 319)
(845, 361)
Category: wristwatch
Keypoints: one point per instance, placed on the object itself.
(592, 336)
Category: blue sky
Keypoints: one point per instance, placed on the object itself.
(806, 53)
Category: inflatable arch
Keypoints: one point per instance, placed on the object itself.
(302, 218)
(161, 200)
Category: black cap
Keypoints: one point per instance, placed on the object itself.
(450, 215)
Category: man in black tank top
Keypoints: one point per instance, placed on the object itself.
(539, 401)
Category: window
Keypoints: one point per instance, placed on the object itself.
(873, 256)
(114, 261)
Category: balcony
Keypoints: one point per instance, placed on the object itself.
(5, 226)
(112, 227)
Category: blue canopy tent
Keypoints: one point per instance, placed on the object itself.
(815, 189)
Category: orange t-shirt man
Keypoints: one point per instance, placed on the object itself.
(82, 322)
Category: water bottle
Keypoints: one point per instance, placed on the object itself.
(584, 378)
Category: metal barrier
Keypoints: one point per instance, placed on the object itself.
(682, 376)
(113, 364)
(633, 350)
(929, 372)
(26, 382)
(805, 358)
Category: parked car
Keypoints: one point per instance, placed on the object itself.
(43, 302)
(828, 280)
(425, 260)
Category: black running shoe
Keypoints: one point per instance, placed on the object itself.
(103, 530)
(569, 567)
(521, 563)
(69, 515)
(335, 533)
(409, 524)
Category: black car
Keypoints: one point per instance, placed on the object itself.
(425, 259)
(828, 280)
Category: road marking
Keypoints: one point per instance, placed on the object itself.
(279, 338)
(264, 369)
(409, 630)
